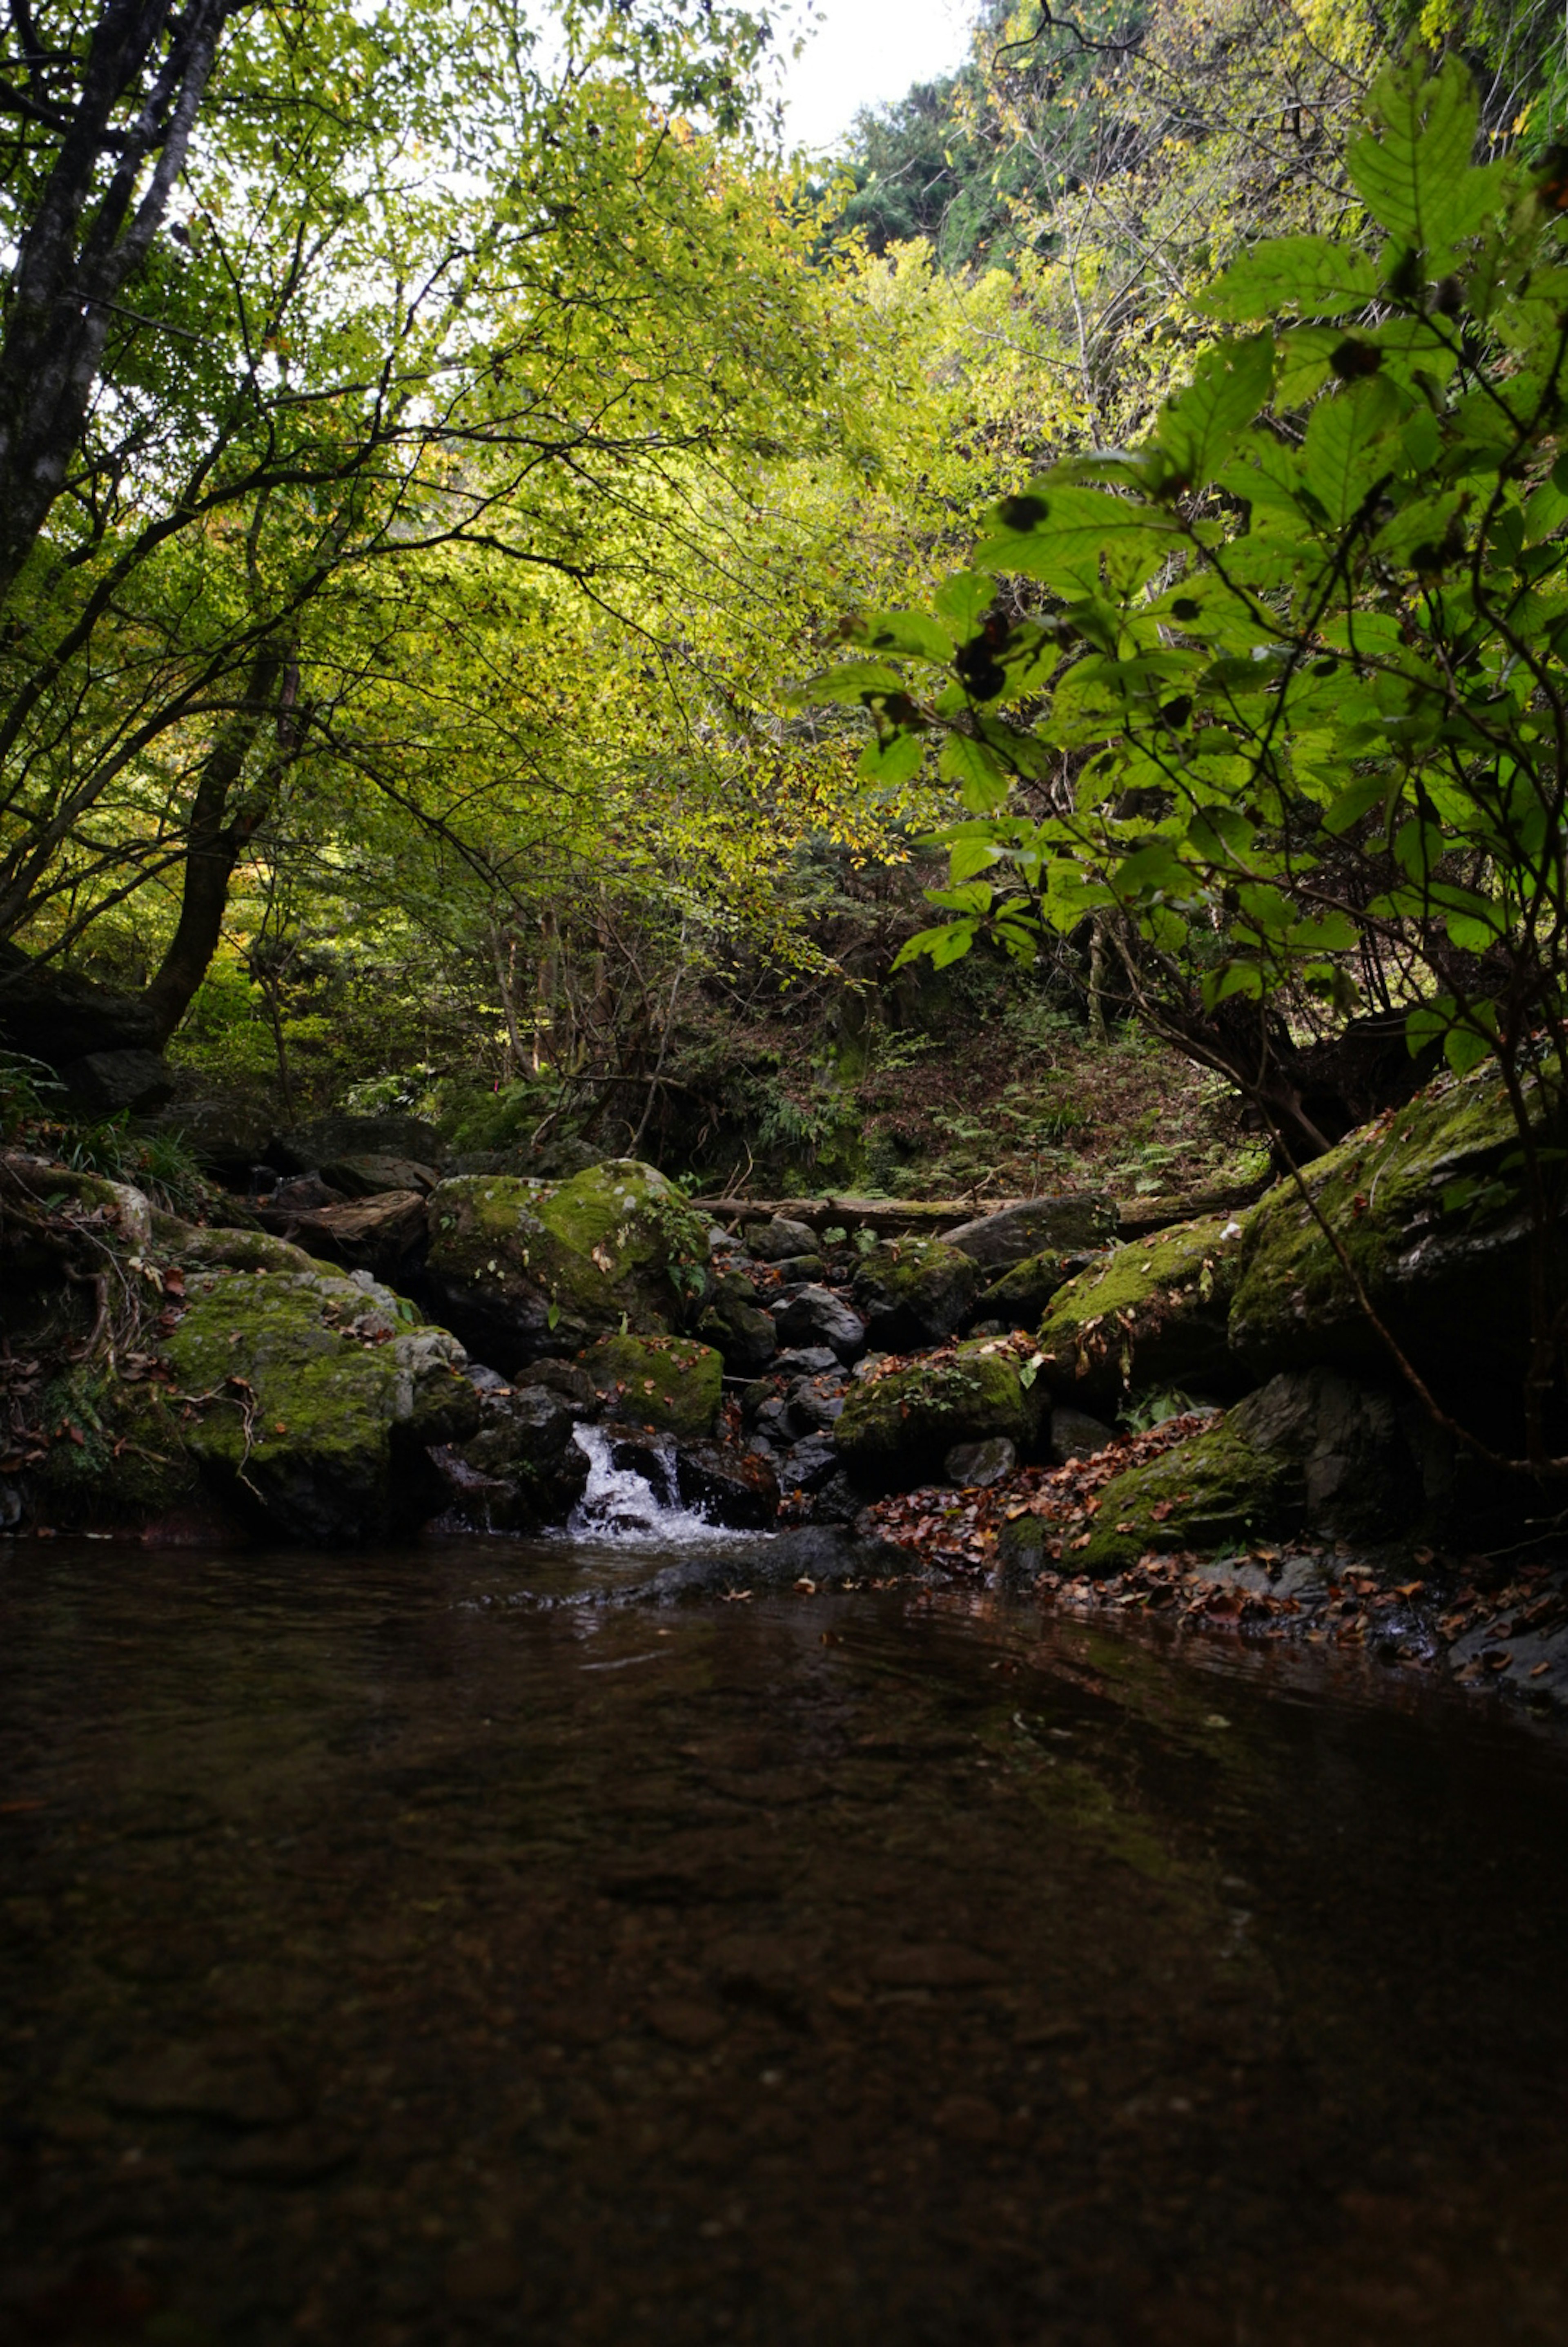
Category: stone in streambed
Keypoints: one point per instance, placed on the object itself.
(1150, 1315)
(521, 1267)
(975, 1466)
(1020, 1295)
(522, 1469)
(776, 1240)
(736, 1326)
(1075, 1221)
(728, 1485)
(1075, 1435)
(914, 1291)
(668, 1382)
(901, 1421)
(817, 1316)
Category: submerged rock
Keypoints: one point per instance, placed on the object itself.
(914, 1291)
(520, 1267)
(1152, 1314)
(668, 1382)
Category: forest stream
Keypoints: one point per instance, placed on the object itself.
(608, 1940)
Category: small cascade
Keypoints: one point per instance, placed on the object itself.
(624, 1504)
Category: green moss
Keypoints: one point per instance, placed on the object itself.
(1020, 1297)
(1382, 1190)
(616, 1242)
(919, 1412)
(117, 1457)
(663, 1381)
(1216, 1491)
(1150, 1314)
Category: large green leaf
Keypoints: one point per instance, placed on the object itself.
(1343, 455)
(1058, 535)
(913, 634)
(1413, 171)
(1198, 426)
(1310, 274)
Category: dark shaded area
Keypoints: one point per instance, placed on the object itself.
(401, 1950)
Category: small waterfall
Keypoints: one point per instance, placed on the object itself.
(622, 1503)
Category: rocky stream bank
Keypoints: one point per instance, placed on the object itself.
(1197, 1421)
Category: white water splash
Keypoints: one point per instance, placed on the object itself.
(621, 1505)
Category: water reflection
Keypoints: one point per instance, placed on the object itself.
(400, 1950)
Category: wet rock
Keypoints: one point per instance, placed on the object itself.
(363, 1174)
(837, 1502)
(301, 1193)
(570, 1380)
(796, 1270)
(809, 1464)
(1311, 1450)
(736, 1326)
(380, 1234)
(814, 1404)
(522, 1469)
(818, 1316)
(914, 1291)
(1020, 1295)
(1078, 1220)
(521, 1267)
(636, 1451)
(1075, 1435)
(668, 1382)
(306, 1148)
(1020, 1553)
(773, 1241)
(726, 1484)
(1154, 1313)
(808, 1361)
(975, 1466)
(904, 1418)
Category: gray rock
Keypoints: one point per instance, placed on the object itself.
(975, 1466)
(726, 1484)
(793, 1269)
(818, 1316)
(567, 1378)
(523, 1469)
(810, 1464)
(1361, 1478)
(1020, 1552)
(305, 1148)
(774, 1241)
(224, 1135)
(814, 1404)
(1078, 1220)
(736, 1326)
(914, 1291)
(806, 1360)
(369, 1172)
(1075, 1435)
(111, 1083)
(1019, 1297)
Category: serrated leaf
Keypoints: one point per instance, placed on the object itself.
(1309, 274)
(1413, 170)
(1058, 535)
(849, 683)
(1199, 425)
(976, 771)
(911, 634)
(1343, 456)
(964, 600)
(896, 760)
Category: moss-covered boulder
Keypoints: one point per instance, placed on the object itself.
(736, 1326)
(1154, 1313)
(1435, 1232)
(1022, 1296)
(520, 1268)
(1312, 1449)
(914, 1292)
(906, 1419)
(666, 1382)
(307, 1398)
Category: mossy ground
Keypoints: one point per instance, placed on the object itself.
(1148, 1313)
(1214, 1492)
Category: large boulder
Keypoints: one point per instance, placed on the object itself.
(368, 1173)
(1424, 1207)
(1154, 1313)
(521, 1268)
(1075, 1221)
(306, 1148)
(816, 1317)
(727, 1485)
(666, 1382)
(1311, 1452)
(909, 1416)
(57, 1015)
(132, 1083)
(1020, 1297)
(225, 1136)
(914, 1291)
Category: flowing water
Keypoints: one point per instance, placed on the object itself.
(554, 1943)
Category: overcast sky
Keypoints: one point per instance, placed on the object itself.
(867, 53)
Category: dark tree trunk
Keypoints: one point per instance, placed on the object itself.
(219, 832)
(128, 130)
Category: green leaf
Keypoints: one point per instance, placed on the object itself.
(975, 770)
(976, 897)
(1199, 425)
(940, 945)
(1058, 535)
(967, 857)
(1344, 453)
(896, 760)
(850, 682)
(1310, 274)
(964, 600)
(911, 633)
(1413, 171)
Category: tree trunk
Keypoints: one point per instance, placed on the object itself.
(219, 834)
(100, 207)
